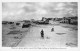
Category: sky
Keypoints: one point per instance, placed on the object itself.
(36, 10)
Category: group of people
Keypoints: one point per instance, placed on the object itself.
(42, 32)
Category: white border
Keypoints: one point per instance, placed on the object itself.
(9, 49)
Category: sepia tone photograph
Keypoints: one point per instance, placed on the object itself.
(40, 24)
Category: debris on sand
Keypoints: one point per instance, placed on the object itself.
(73, 29)
(12, 28)
(48, 37)
(60, 33)
(15, 32)
(17, 37)
(71, 44)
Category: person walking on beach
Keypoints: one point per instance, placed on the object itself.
(42, 33)
(52, 29)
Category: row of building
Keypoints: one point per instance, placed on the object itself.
(65, 20)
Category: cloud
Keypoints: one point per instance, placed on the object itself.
(29, 9)
(35, 10)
